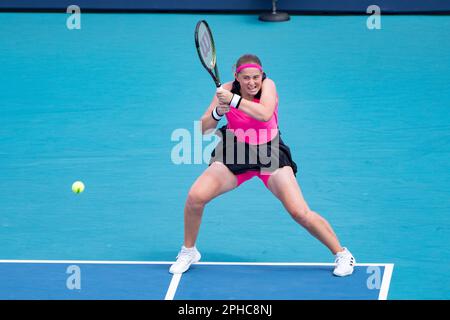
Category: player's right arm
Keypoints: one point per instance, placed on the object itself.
(207, 120)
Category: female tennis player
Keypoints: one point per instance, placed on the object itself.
(251, 138)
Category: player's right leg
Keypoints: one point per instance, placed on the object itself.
(214, 181)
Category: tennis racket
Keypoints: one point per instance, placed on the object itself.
(206, 50)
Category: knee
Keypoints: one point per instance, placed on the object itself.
(302, 215)
(196, 198)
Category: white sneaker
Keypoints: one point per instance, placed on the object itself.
(185, 258)
(344, 263)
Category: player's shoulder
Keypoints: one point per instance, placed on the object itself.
(269, 85)
(269, 82)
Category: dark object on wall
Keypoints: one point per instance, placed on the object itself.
(274, 16)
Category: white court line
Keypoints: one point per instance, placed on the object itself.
(86, 261)
(388, 269)
(173, 286)
(198, 263)
(320, 264)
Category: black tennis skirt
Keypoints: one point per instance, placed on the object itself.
(241, 157)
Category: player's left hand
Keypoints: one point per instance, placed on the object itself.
(224, 95)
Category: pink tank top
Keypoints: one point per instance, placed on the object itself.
(252, 131)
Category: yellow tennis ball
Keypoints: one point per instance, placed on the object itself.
(78, 187)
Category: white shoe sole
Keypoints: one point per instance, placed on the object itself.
(343, 274)
(186, 268)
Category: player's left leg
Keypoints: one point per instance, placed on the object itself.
(283, 184)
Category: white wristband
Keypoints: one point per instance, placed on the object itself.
(215, 115)
(235, 101)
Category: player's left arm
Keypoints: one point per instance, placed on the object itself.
(263, 110)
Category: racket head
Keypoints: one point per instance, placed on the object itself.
(206, 49)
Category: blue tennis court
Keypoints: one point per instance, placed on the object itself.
(365, 113)
(136, 280)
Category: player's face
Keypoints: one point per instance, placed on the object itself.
(250, 80)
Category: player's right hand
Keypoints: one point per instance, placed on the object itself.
(222, 109)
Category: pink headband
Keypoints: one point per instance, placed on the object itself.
(248, 65)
